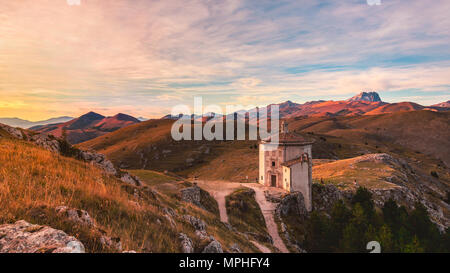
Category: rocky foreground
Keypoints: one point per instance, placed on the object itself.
(24, 237)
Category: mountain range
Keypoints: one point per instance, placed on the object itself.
(92, 125)
(22, 123)
(87, 126)
(365, 103)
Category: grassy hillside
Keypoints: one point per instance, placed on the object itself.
(244, 212)
(149, 145)
(371, 174)
(35, 181)
(420, 137)
(419, 131)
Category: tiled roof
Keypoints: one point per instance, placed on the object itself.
(289, 138)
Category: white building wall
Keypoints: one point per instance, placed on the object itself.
(302, 182)
(286, 178)
(262, 167)
(297, 177)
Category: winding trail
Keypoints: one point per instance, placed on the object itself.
(268, 210)
(220, 189)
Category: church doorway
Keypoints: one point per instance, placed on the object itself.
(273, 181)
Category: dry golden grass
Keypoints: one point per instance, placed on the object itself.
(34, 181)
(343, 173)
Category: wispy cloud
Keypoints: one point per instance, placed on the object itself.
(143, 56)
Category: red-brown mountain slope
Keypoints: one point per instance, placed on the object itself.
(88, 126)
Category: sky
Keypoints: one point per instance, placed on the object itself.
(142, 57)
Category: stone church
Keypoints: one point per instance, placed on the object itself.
(287, 163)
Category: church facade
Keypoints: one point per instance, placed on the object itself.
(287, 164)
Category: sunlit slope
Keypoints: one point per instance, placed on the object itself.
(33, 182)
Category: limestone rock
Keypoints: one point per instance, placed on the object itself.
(130, 179)
(78, 216)
(191, 195)
(23, 237)
(186, 243)
(82, 217)
(234, 248)
(213, 247)
(292, 204)
(198, 224)
(113, 243)
(202, 235)
(324, 197)
(47, 142)
(100, 161)
(14, 132)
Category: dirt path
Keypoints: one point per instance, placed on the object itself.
(268, 210)
(261, 247)
(219, 190)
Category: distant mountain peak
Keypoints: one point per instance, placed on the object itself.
(92, 116)
(445, 104)
(125, 117)
(366, 96)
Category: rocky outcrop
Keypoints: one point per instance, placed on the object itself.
(405, 196)
(198, 224)
(200, 227)
(111, 243)
(292, 204)
(234, 248)
(99, 160)
(77, 216)
(324, 196)
(82, 218)
(213, 247)
(192, 195)
(130, 179)
(23, 237)
(14, 132)
(186, 243)
(46, 141)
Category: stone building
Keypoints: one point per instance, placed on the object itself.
(286, 163)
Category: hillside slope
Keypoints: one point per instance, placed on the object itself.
(35, 182)
(86, 127)
(390, 177)
(395, 107)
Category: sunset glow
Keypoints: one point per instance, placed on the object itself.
(141, 57)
